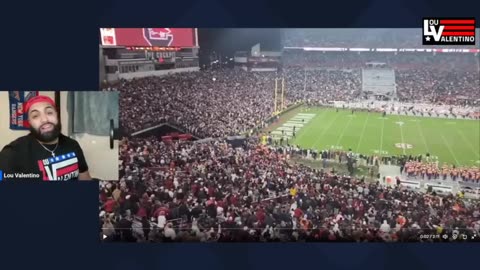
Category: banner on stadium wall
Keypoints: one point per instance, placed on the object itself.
(17, 116)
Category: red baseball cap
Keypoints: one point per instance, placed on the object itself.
(27, 105)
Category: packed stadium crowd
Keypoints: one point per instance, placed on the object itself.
(211, 103)
(213, 192)
(323, 85)
(447, 87)
(440, 88)
(399, 61)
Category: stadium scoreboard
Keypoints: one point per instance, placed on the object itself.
(149, 37)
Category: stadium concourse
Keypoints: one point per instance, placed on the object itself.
(210, 191)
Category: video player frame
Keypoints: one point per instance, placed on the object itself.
(331, 135)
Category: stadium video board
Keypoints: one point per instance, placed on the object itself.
(163, 37)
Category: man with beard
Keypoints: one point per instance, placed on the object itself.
(45, 153)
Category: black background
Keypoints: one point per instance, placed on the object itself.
(47, 45)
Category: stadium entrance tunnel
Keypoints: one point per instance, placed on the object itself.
(165, 131)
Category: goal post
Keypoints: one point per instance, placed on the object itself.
(279, 96)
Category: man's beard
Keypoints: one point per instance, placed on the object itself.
(48, 136)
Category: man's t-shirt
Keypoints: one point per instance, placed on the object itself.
(26, 156)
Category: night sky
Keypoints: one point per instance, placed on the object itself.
(228, 40)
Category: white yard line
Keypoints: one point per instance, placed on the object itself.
(363, 131)
(401, 134)
(343, 132)
(477, 155)
(323, 132)
(450, 149)
(309, 126)
(381, 137)
(423, 137)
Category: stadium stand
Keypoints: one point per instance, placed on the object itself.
(216, 103)
(210, 191)
(213, 192)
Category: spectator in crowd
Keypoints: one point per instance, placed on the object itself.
(256, 194)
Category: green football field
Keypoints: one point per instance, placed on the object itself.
(453, 141)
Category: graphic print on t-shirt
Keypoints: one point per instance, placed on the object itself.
(62, 167)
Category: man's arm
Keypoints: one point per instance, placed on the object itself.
(84, 176)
